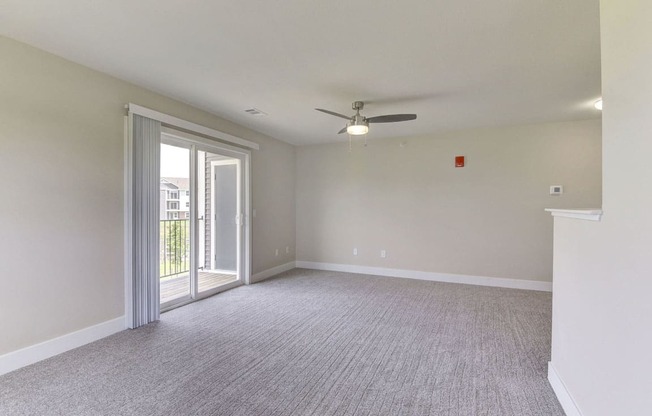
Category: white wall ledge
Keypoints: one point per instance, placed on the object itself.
(593, 214)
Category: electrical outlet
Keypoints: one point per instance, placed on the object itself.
(556, 190)
(355, 251)
(276, 253)
(287, 249)
(383, 253)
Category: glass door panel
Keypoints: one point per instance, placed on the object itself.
(218, 220)
(174, 224)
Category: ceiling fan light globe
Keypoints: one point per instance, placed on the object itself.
(357, 129)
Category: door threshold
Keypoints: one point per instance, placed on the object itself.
(202, 296)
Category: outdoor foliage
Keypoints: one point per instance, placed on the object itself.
(175, 247)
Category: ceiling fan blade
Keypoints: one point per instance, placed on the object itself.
(392, 118)
(342, 131)
(332, 113)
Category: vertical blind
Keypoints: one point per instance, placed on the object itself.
(144, 210)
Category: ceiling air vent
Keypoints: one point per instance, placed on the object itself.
(255, 112)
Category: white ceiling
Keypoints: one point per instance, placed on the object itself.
(456, 63)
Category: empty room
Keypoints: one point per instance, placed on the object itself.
(326, 208)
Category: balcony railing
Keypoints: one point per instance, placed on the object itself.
(175, 247)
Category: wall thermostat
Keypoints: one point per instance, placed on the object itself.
(556, 190)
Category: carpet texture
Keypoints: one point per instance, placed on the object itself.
(311, 343)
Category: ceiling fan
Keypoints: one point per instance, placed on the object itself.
(359, 124)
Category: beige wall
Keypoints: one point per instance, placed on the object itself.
(406, 197)
(602, 330)
(61, 180)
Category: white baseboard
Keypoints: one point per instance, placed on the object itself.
(265, 274)
(564, 397)
(35, 353)
(431, 276)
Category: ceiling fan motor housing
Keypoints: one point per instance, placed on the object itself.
(358, 120)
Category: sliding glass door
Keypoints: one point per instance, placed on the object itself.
(202, 213)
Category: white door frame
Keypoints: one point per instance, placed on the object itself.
(244, 157)
(185, 140)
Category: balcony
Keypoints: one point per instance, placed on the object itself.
(174, 255)
(174, 246)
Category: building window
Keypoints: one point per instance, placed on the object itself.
(173, 205)
(174, 195)
(187, 204)
(187, 193)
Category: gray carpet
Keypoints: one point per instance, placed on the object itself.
(311, 343)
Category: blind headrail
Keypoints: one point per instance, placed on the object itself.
(190, 126)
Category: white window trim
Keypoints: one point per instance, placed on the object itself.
(172, 121)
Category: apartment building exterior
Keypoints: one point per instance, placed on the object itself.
(175, 199)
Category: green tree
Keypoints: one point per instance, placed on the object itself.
(176, 245)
